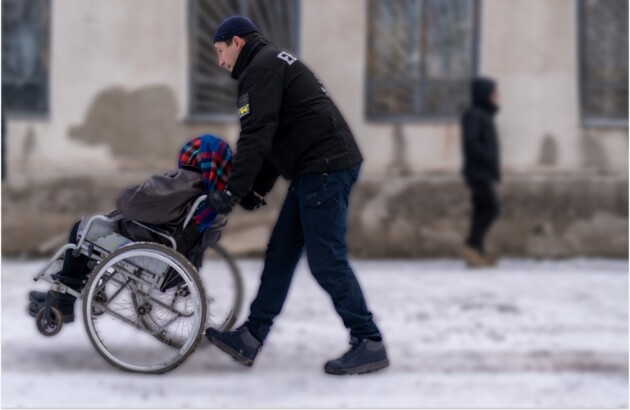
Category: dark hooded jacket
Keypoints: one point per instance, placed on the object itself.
(480, 142)
(289, 124)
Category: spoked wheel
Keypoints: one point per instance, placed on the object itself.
(151, 319)
(224, 288)
(145, 308)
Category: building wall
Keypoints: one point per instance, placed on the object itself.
(388, 148)
(529, 46)
(532, 48)
(119, 80)
(119, 92)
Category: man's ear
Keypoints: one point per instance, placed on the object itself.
(238, 42)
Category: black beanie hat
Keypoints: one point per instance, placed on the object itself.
(234, 26)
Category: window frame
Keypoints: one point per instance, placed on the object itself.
(587, 121)
(45, 114)
(420, 118)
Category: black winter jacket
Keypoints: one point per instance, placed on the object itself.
(480, 144)
(289, 124)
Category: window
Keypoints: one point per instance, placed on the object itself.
(25, 56)
(604, 61)
(212, 90)
(421, 57)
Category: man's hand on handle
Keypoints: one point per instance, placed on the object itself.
(252, 201)
(222, 202)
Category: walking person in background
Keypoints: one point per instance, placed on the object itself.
(481, 170)
(291, 127)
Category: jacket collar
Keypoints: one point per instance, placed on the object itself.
(248, 53)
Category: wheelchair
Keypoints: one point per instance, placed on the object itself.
(144, 304)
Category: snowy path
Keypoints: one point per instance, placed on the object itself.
(528, 334)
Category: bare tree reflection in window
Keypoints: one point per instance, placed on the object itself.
(421, 56)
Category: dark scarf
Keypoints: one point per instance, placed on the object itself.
(249, 51)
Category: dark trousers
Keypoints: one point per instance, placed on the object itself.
(74, 267)
(313, 217)
(485, 210)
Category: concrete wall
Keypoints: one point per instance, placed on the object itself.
(544, 217)
(529, 46)
(416, 216)
(532, 48)
(116, 79)
(341, 66)
(119, 92)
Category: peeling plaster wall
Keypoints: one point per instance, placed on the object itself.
(405, 217)
(545, 218)
(99, 48)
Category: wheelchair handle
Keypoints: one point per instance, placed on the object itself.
(193, 209)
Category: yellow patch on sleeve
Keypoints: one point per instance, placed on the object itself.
(243, 111)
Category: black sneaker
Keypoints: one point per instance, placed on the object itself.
(364, 356)
(64, 302)
(239, 343)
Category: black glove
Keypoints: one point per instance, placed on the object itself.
(222, 202)
(252, 201)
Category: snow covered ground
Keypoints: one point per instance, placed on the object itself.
(528, 334)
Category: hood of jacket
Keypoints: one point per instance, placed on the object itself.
(481, 91)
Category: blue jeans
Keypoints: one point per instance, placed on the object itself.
(313, 217)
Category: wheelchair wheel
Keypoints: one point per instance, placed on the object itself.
(224, 288)
(144, 308)
(51, 326)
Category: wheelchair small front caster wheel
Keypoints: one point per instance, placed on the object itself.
(50, 326)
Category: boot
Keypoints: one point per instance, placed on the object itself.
(474, 258)
(62, 301)
(492, 260)
(364, 356)
(239, 343)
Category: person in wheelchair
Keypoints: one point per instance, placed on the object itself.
(160, 203)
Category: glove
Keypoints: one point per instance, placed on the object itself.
(222, 202)
(252, 201)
